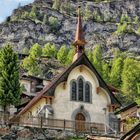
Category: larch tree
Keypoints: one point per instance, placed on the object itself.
(49, 50)
(62, 54)
(116, 70)
(130, 79)
(31, 63)
(97, 58)
(70, 56)
(10, 90)
(105, 72)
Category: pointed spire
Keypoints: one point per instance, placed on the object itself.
(79, 37)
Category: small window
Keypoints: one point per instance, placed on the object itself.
(87, 92)
(74, 89)
(80, 90)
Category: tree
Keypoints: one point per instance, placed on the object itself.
(56, 4)
(32, 14)
(70, 56)
(31, 65)
(105, 72)
(116, 70)
(88, 13)
(10, 90)
(25, 50)
(35, 51)
(62, 54)
(90, 55)
(97, 58)
(49, 50)
(130, 79)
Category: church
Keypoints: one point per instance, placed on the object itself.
(78, 95)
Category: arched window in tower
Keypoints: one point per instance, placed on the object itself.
(80, 89)
(74, 91)
(87, 92)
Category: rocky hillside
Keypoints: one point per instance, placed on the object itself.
(113, 24)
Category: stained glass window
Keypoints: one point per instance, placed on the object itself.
(73, 90)
(80, 90)
(87, 92)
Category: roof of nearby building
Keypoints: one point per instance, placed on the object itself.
(134, 131)
(49, 89)
(126, 107)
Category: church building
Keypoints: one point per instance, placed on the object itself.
(78, 95)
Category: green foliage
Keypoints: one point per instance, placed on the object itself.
(130, 123)
(35, 51)
(130, 79)
(32, 66)
(44, 19)
(138, 31)
(90, 55)
(70, 56)
(53, 21)
(56, 4)
(125, 18)
(97, 58)
(32, 14)
(66, 7)
(10, 90)
(25, 15)
(136, 19)
(62, 54)
(105, 72)
(122, 28)
(49, 50)
(116, 70)
(25, 51)
(87, 13)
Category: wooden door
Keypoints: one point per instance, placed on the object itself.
(80, 122)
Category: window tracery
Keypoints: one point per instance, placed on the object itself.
(80, 90)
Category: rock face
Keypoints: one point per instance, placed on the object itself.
(100, 24)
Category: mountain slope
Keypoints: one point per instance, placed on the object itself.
(114, 24)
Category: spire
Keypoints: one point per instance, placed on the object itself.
(79, 37)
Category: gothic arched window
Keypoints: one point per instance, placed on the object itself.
(87, 92)
(80, 90)
(74, 91)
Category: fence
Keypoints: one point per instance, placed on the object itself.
(41, 122)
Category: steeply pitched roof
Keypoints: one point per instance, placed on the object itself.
(126, 107)
(134, 131)
(49, 90)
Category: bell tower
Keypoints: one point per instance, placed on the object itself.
(79, 42)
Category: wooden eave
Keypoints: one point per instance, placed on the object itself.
(131, 134)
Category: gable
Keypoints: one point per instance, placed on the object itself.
(82, 60)
(49, 90)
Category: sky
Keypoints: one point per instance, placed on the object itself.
(7, 6)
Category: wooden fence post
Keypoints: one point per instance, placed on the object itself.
(64, 124)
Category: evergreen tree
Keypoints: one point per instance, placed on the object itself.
(116, 70)
(35, 51)
(90, 55)
(70, 56)
(87, 13)
(32, 14)
(62, 54)
(32, 66)
(10, 90)
(130, 79)
(56, 4)
(105, 72)
(49, 50)
(25, 50)
(97, 58)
